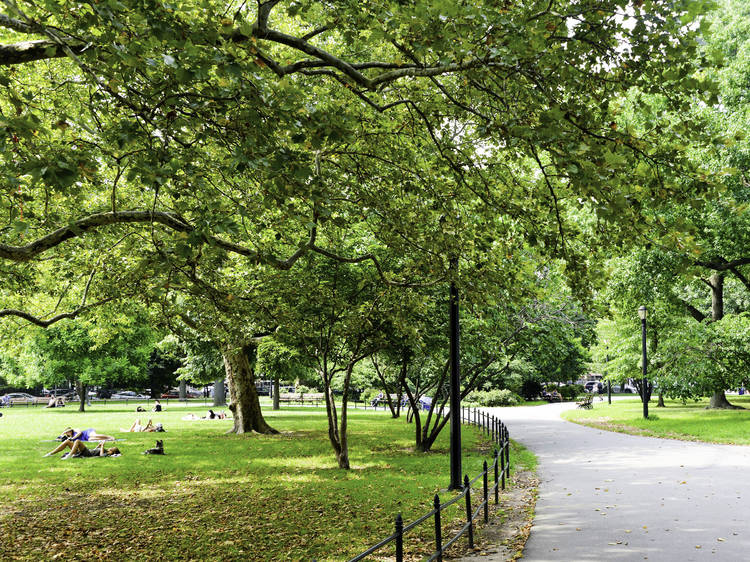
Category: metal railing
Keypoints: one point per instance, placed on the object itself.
(498, 433)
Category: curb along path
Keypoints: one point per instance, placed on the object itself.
(610, 496)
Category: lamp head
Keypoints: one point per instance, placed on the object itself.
(642, 312)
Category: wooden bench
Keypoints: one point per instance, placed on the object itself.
(383, 400)
(586, 402)
(295, 398)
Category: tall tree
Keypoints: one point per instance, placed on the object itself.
(186, 159)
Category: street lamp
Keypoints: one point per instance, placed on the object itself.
(606, 374)
(455, 385)
(642, 313)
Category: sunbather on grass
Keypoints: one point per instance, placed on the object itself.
(138, 426)
(79, 450)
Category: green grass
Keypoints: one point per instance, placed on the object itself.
(218, 496)
(691, 421)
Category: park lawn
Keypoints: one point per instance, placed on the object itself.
(691, 422)
(217, 496)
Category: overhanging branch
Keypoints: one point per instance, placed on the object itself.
(172, 221)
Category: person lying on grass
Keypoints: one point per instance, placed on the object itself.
(137, 426)
(71, 444)
(89, 434)
(79, 450)
(210, 416)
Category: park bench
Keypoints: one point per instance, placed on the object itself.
(586, 402)
(295, 398)
(378, 401)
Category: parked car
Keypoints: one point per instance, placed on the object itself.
(593, 386)
(13, 398)
(171, 394)
(128, 395)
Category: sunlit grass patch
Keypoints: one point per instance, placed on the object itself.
(216, 495)
(690, 421)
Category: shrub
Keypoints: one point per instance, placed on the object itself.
(302, 389)
(530, 389)
(369, 393)
(570, 391)
(503, 397)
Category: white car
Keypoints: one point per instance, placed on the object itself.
(128, 395)
(21, 398)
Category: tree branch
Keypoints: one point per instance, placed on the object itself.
(172, 221)
(15, 25)
(46, 323)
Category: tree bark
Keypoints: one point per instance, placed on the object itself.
(719, 401)
(220, 398)
(716, 281)
(81, 389)
(276, 405)
(245, 405)
(183, 390)
(660, 403)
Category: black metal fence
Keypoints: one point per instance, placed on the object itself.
(500, 468)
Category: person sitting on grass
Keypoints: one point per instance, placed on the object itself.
(55, 402)
(210, 416)
(137, 426)
(79, 450)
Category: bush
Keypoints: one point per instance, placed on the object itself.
(494, 398)
(530, 389)
(302, 389)
(369, 393)
(570, 391)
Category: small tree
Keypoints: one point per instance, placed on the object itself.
(78, 351)
(278, 361)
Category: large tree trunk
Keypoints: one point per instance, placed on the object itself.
(719, 399)
(717, 296)
(183, 390)
(276, 405)
(245, 405)
(220, 398)
(81, 389)
(661, 404)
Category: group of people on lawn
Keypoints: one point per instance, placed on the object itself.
(75, 439)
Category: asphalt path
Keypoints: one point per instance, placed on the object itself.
(610, 496)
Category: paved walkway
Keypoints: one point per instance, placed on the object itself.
(609, 496)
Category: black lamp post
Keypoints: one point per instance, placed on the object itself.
(609, 382)
(642, 313)
(455, 411)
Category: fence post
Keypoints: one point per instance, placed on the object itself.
(497, 488)
(399, 538)
(438, 530)
(475, 416)
(486, 497)
(502, 468)
(467, 491)
(507, 452)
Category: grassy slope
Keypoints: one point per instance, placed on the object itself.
(690, 422)
(214, 495)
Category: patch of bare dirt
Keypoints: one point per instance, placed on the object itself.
(504, 537)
